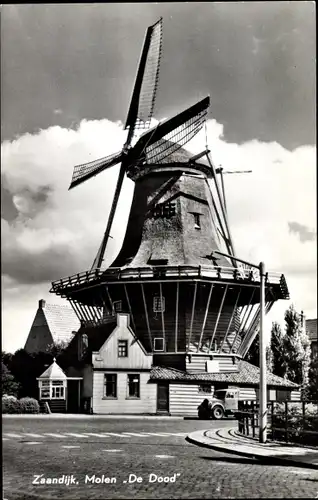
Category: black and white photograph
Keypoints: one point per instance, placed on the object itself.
(159, 250)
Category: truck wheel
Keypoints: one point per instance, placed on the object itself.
(217, 412)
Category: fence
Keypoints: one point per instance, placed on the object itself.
(295, 422)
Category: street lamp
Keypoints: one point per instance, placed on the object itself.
(262, 350)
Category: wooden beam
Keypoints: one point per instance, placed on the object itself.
(223, 190)
(254, 327)
(109, 297)
(77, 312)
(230, 322)
(89, 313)
(192, 313)
(177, 320)
(218, 317)
(83, 311)
(162, 315)
(205, 315)
(243, 321)
(129, 307)
(222, 208)
(146, 314)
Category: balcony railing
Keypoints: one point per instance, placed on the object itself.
(167, 272)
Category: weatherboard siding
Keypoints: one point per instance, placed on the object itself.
(196, 364)
(248, 394)
(184, 399)
(122, 404)
(295, 396)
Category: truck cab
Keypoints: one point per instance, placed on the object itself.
(224, 402)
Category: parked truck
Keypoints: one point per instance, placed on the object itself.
(223, 403)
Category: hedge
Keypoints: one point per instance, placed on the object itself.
(10, 404)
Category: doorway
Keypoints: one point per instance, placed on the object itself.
(73, 396)
(163, 398)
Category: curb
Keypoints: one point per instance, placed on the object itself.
(193, 438)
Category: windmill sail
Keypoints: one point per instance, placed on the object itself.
(146, 84)
(158, 143)
(87, 170)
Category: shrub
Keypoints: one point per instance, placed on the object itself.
(297, 423)
(10, 405)
(29, 405)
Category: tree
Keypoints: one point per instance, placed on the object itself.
(8, 383)
(26, 367)
(296, 347)
(312, 391)
(277, 350)
(56, 349)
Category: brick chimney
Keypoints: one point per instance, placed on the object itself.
(41, 304)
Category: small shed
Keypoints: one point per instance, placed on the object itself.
(53, 388)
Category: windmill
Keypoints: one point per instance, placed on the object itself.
(179, 298)
(154, 145)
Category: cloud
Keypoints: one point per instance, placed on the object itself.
(305, 234)
(53, 232)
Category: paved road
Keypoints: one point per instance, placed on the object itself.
(90, 451)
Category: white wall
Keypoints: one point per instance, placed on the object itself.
(146, 404)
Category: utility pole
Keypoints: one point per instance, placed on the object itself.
(262, 414)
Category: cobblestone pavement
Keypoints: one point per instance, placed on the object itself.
(195, 472)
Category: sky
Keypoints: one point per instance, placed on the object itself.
(67, 77)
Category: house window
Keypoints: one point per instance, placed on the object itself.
(134, 386)
(117, 306)
(45, 389)
(122, 348)
(205, 388)
(158, 304)
(110, 385)
(159, 344)
(57, 392)
(197, 222)
(57, 389)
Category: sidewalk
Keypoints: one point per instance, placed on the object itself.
(229, 441)
(69, 416)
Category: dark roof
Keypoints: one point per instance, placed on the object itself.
(311, 329)
(97, 335)
(247, 374)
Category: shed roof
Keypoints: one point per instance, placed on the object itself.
(311, 329)
(247, 374)
(53, 372)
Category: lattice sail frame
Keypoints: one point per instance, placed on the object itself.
(175, 139)
(150, 80)
(85, 171)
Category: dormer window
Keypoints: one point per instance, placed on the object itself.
(159, 344)
(158, 304)
(117, 306)
(197, 222)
